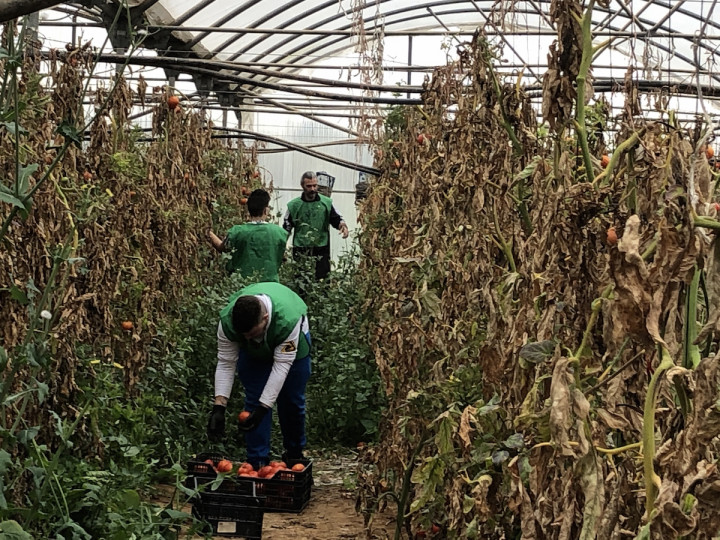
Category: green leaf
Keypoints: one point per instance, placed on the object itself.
(11, 530)
(468, 504)
(538, 351)
(130, 498)
(69, 131)
(26, 435)
(500, 456)
(527, 171)
(17, 293)
(176, 514)
(13, 128)
(525, 469)
(25, 174)
(11, 199)
(515, 440)
(5, 461)
(443, 437)
(428, 477)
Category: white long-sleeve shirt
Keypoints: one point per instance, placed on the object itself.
(283, 358)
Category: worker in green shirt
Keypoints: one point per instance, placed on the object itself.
(311, 215)
(256, 247)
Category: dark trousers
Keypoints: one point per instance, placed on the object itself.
(321, 256)
(290, 407)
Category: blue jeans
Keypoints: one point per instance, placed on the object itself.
(290, 406)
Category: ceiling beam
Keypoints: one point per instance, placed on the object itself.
(12, 9)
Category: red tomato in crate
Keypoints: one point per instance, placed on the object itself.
(224, 466)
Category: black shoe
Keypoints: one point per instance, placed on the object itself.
(259, 464)
(292, 456)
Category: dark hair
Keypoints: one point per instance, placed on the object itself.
(257, 202)
(246, 314)
(307, 175)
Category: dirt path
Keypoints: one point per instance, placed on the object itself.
(329, 516)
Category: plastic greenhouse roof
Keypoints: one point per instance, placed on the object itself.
(305, 52)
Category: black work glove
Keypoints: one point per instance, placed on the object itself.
(216, 425)
(254, 419)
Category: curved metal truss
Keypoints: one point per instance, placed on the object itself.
(259, 55)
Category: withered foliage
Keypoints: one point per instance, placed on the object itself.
(134, 215)
(479, 256)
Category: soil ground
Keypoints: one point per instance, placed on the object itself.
(331, 514)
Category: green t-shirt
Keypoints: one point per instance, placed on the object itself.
(287, 309)
(311, 220)
(256, 248)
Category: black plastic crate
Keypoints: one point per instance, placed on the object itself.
(200, 473)
(286, 491)
(230, 515)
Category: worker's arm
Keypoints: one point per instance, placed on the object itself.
(227, 357)
(216, 242)
(224, 375)
(283, 358)
(337, 221)
(288, 222)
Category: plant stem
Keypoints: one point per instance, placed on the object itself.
(652, 480)
(691, 352)
(585, 62)
(708, 223)
(621, 148)
(595, 310)
(516, 144)
(620, 449)
(503, 243)
(405, 489)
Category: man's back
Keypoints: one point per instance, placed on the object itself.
(256, 247)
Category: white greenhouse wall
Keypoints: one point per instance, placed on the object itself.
(285, 168)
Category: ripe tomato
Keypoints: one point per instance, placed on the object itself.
(210, 462)
(298, 467)
(605, 160)
(244, 415)
(224, 466)
(243, 200)
(716, 206)
(435, 528)
(421, 138)
(127, 325)
(266, 472)
(87, 175)
(709, 152)
(612, 236)
(173, 102)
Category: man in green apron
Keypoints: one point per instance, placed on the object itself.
(264, 335)
(257, 247)
(311, 215)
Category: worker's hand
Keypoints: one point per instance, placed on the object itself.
(253, 421)
(344, 229)
(216, 425)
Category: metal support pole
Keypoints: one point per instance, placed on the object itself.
(409, 73)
